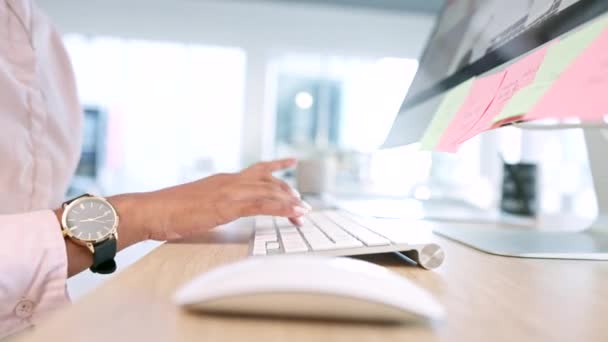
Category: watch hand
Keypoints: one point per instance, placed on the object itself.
(94, 218)
(100, 221)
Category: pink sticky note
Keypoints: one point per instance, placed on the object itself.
(480, 97)
(518, 75)
(582, 90)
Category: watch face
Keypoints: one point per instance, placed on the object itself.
(90, 219)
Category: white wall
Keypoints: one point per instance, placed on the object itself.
(262, 29)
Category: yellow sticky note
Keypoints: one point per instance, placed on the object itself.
(450, 104)
(559, 56)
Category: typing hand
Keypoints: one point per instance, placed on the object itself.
(186, 209)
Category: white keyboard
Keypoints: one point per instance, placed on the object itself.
(339, 233)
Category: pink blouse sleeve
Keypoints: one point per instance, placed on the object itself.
(33, 271)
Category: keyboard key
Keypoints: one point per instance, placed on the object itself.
(393, 230)
(265, 237)
(315, 237)
(295, 248)
(259, 250)
(264, 232)
(368, 237)
(283, 222)
(348, 244)
(292, 240)
(288, 230)
(272, 245)
(262, 222)
(322, 246)
(341, 238)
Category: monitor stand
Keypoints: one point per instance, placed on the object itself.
(589, 244)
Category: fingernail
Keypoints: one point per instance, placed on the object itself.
(306, 205)
(295, 192)
(300, 210)
(297, 221)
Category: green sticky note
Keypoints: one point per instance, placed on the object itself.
(523, 101)
(450, 104)
(559, 56)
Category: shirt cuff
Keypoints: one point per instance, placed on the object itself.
(33, 269)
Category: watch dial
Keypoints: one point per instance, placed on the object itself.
(90, 219)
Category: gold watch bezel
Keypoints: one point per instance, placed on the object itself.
(85, 242)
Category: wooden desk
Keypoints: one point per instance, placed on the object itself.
(488, 298)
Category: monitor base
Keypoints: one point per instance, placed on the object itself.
(591, 244)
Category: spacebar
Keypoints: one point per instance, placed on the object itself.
(295, 248)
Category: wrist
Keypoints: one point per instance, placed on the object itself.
(58, 214)
(131, 225)
(130, 230)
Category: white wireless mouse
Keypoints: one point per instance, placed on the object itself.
(309, 287)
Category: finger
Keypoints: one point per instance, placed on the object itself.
(297, 221)
(283, 185)
(263, 190)
(287, 188)
(275, 165)
(292, 194)
(270, 208)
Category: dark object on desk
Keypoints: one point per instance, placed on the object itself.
(519, 189)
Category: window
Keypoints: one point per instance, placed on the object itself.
(174, 111)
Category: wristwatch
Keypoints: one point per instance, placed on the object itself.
(92, 221)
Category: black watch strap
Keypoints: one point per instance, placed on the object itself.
(103, 258)
(75, 198)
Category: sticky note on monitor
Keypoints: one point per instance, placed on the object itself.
(581, 90)
(558, 58)
(482, 94)
(450, 104)
(518, 75)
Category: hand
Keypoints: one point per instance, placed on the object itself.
(186, 209)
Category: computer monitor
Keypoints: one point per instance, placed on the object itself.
(475, 37)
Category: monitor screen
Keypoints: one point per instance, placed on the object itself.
(474, 36)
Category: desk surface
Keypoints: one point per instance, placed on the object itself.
(487, 298)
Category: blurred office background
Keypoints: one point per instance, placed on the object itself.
(175, 90)
(190, 87)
